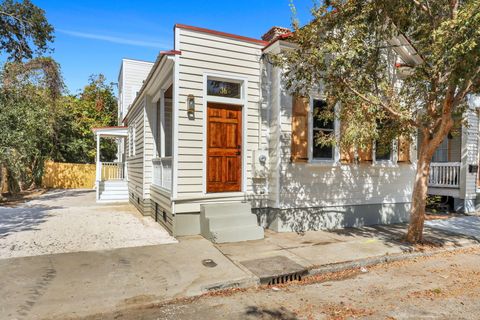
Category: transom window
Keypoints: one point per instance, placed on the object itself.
(321, 128)
(226, 89)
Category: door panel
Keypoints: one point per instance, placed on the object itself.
(224, 148)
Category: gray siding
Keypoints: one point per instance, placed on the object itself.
(468, 183)
(148, 145)
(162, 201)
(135, 162)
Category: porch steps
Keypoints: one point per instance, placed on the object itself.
(229, 222)
(113, 191)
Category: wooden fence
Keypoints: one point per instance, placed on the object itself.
(69, 175)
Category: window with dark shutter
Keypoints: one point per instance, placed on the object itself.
(321, 128)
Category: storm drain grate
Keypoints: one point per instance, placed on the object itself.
(276, 270)
(283, 278)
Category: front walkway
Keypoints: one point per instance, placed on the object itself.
(69, 221)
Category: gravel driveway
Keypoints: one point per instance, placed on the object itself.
(70, 221)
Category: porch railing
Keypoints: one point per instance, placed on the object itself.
(444, 174)
(162, 172)
(112, 170)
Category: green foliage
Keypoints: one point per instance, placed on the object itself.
(24, 30)
(95, 106)
(347, 53)
(26, 106)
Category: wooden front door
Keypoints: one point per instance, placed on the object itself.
(224, 147)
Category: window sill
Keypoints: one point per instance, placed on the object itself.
(384, 164)
(323, 163)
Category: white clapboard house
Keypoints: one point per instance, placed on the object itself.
(211, 143)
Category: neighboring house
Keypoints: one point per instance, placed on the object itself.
(212, 136)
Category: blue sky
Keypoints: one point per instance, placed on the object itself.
(92, 36)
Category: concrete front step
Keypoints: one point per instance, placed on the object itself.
(236, 234)
(114, 188)
(221, 209)
(114, 193)
(111, 183)
(228, 220)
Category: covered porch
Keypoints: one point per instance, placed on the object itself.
(111, 176)
(445, 169)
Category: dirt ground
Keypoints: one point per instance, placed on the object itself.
(445, 286)
(60, 221)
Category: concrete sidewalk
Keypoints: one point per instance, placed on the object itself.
(82, 283)
(324, 251)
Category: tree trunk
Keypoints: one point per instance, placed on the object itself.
(419, 199)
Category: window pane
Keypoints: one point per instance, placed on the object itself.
(441, 154)
(321, 152)
(383, 151)
(223, 89)
(318, 107)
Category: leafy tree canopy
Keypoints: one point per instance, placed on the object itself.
(349, 52)
(26, 108)
(24, 30)
(95, 106)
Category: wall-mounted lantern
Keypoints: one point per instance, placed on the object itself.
(191, 106)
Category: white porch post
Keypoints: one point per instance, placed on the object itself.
(99, 168)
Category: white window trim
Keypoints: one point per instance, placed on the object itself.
(392, 162)
(243, 102)
(336, 128)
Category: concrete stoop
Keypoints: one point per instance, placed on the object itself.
(113, 191)
(229, 222)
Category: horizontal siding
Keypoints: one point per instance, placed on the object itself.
(470, 150)
(164, 204)
(314, 185)
(135, 162)
(133, 74)
(203, 53)
(149, 146)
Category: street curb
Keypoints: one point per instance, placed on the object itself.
(254, 281)
(231, 284)
(368, 262)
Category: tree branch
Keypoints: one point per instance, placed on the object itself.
(462, 93)
(454, 7)
(22, 21)
(380, 104)
(423, 7)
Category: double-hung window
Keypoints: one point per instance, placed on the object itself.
(384, 150)
(322, 129)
